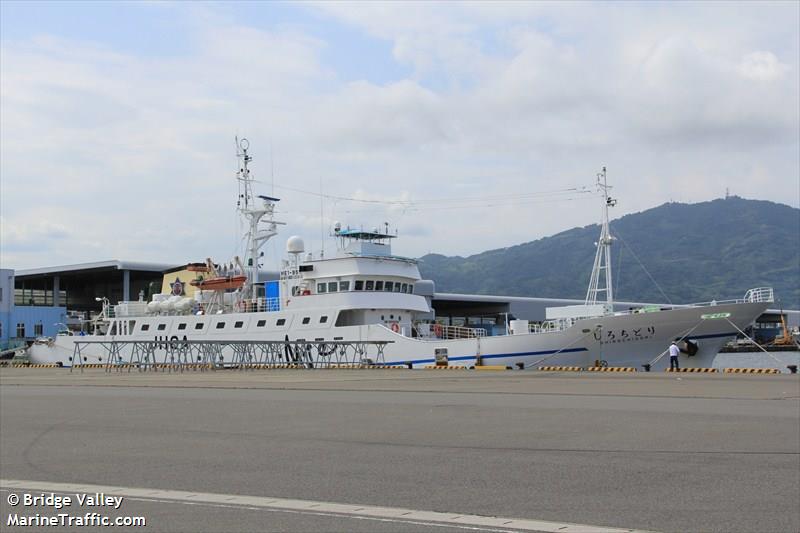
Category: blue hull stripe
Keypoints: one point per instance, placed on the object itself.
(491, 356)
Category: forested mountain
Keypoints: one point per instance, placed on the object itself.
(694, 252)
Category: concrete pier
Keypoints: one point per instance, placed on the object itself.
(398, 450)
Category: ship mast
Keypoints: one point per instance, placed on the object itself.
(253, 214)
(602, 259)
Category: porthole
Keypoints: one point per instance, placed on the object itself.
(280, 322)
(199, 325)
(182, 326)
(220, 325)
(306, 320)
(261, 323)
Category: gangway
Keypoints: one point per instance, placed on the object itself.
(177, 355)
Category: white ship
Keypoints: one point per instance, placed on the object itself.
(638, 337)
(363, 293)
(366, 293)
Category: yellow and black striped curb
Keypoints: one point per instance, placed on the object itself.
(752, 371)
(611, 369)
(690, 370)
(492, 367)
(434, 367)
(561, 368)
(38, 365)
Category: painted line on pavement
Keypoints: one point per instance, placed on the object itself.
(317, 507)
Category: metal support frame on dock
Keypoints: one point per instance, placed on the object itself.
(180, 355)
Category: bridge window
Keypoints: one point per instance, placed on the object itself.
(323, 319)
(344, 285)
(306, 320)
(389, 287)
(398, 287)
(199, 325)
(182, 326)
(162, 327)
(321, 288)
(359, 285)
(378, 285)
(238, 324)
(333, 286)
(261, 323)
(370, 285)
(406, 288)
(280, 322)
(220, 325)
(145, 327)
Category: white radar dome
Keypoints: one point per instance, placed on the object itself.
(294, 245)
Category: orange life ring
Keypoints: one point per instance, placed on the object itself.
(306, 292)
(395, 327)
(437, 330)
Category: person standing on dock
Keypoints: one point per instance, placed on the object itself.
(673, 356)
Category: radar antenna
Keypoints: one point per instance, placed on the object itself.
(602, 259)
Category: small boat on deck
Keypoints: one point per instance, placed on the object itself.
(220, 283)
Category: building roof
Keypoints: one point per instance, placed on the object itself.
(113, 264)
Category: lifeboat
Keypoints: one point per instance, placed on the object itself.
(220, 283)
(197, 267)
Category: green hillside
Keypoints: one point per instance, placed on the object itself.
(694, 252)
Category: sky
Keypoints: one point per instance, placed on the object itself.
(465, 126)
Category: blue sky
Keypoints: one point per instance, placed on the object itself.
(117, 119)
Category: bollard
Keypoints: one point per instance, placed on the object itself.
(646, 367)
(410, 366)
(792, 369)
(521, 366)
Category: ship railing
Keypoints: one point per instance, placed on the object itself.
(260, 305)
(757, 295)
(441, 331)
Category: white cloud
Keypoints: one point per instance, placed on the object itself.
(135, 154)
(762, 66)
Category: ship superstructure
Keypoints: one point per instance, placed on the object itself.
(362, 293)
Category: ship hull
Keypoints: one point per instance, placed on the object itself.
(575, 346)
(629, 340)
(638, 338)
